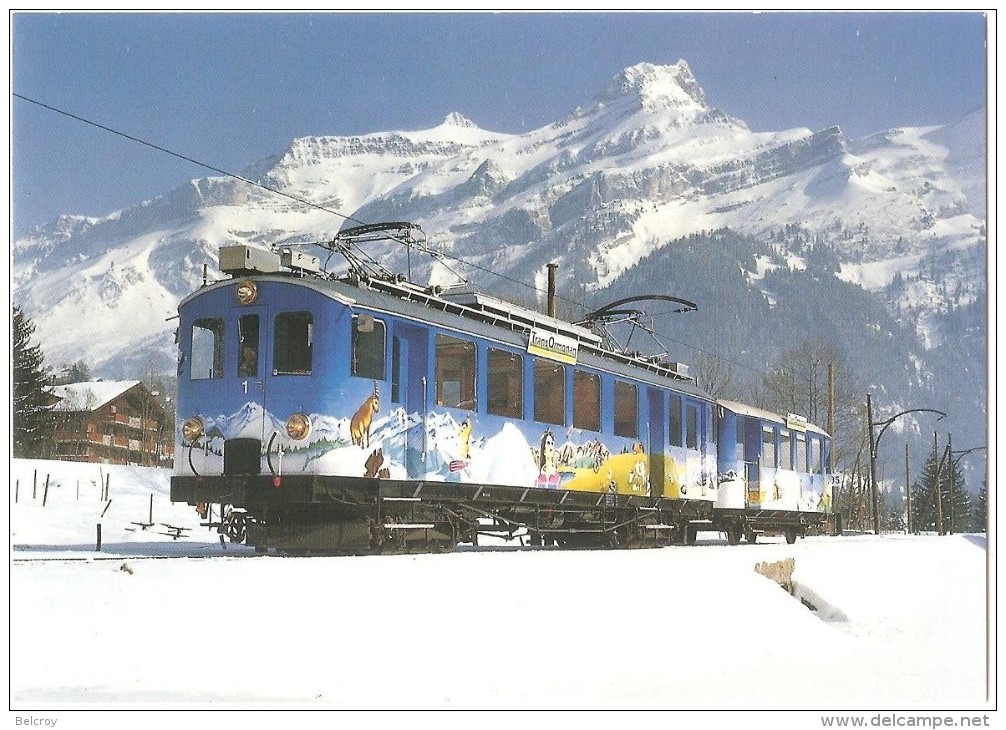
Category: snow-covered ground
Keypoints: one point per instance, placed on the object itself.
(901, 621)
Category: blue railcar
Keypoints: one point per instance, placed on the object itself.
(367, 414)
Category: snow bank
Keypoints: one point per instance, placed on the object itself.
(901, 621)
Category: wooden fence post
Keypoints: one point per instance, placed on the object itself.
(45, 494)
(98, 545)
(34, 484)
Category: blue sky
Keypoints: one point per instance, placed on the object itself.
(231, 89)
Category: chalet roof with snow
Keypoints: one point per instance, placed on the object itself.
(89, 396)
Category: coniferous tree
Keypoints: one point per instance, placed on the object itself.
(893, 511)
(955, 506)
(79, 372)
(31, 411)
(981, 509)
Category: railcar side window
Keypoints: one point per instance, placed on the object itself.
(626, 410)
(293, 343)
(455, 372)
(207, 348)
(248, 344)
(506, 383)
(768, 447)
(368, 343)
(586, 401)
(674, 420)
(785, 452)
(691, 426)
(549, 392)
(396, 370)
(801, 453)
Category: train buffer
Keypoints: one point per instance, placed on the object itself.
(174, 531)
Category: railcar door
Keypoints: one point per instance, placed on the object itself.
(245, 430)
(250, 366)
(656, 447)
(409, 386)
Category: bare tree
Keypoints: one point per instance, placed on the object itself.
(715, 375)
(798, 384)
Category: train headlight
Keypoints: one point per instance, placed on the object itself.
(298, 426)
(192, 429)
(246, 291)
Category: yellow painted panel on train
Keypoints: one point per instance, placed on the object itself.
(626, 473)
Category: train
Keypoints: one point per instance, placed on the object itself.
(363, 413)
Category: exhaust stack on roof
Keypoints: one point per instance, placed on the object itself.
(551, 289)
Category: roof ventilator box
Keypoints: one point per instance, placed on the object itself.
(243, 259)
(300, 261)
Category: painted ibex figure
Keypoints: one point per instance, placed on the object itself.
(359, 426)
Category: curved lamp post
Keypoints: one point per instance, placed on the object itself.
(875, 442)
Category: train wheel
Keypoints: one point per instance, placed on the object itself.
(790, 536)
(751, 536)
(691, 532)
(235, 526)
(734, 535)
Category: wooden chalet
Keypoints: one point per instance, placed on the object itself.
(111, 422)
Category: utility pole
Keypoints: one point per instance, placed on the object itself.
(873, 466)
(831, 400)
(939, 496)
(908, 491)
(950, 463)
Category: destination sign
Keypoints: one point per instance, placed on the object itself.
(795, 422)
(553, 346)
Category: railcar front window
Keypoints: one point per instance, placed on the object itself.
(549, 392)
(506, 383)
(586, 401)
(368, 347)
(248, 344)
(626, 410)
(207, 348)
(292, 352)
(801, 453)
(455, 372)
(815, 456)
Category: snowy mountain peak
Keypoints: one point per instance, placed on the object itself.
(657, 87)
(454, 119)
